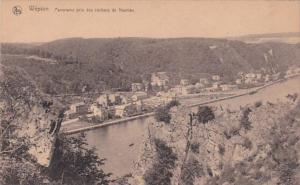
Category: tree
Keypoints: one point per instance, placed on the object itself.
(245, 123)
(74, 163)
(160, 173)
(163, 113)
(205, 114)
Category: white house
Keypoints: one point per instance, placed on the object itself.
(126, 110)
(137, 87)
(203, 81)
(216, 84)
(79, 108)
(212, 89)
(139, 96)
(159, 79)
(215, 77)
(98, 111)
(267, 78)
(184, 82)
(258, 76)
(250, 75)
(238, 81)
(102, 100)
(227, 87)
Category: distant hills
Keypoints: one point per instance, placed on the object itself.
(117, 62)
(291, 37)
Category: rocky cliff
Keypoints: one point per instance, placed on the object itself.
(29, 124)
(258, 144)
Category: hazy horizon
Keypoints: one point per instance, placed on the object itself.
(229, 37)
(150, 19)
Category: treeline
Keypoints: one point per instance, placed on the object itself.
(30, 50)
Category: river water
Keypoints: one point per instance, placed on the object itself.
(120, 144)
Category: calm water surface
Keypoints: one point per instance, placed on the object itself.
(120, 144)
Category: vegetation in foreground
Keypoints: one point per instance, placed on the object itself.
(162, 113)
(22, 104)
(258, 144)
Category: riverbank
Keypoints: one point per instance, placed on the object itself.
(114, 142)
(113, 122)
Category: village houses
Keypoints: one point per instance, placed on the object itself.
(135, 87)
(159, 79)
(129, 109)
(110, 99)
(238, 81)
(228, 87)
(293, 71)
(99, 111)
(76, 109)
(215, 77)
(184, 82)
(204, 81)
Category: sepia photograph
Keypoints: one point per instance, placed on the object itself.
(151, 92)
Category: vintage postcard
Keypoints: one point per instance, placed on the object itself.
(128, 92)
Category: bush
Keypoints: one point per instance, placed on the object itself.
(163, 113)
(160, 173)
(74, 163)
(221, 149)
(172, 103)
(190, 171)
(258, 104)
(247, 143)
(195, 147)
(205, 114)
(245, 123)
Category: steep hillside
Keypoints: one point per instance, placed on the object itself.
(32, 151)
(114, 63)
(256, 145)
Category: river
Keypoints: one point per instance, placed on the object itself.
(121, 143)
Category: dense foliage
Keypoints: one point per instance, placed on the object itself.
(191, 169)
(281, 163)
(160, 173)
(20, 103)
(162, 113)
(205, 114)
(102, 64)
(74, 163)
(245, 123)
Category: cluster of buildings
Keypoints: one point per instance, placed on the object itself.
(251, 78)
(109, 105)
(123, 104)
(211, 84)
(293, 71)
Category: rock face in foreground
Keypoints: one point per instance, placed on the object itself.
(29, 119)
(256, 145)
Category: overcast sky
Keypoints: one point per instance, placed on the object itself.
(149, 19)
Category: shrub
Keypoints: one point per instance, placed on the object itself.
(205, 114)
(258, 104)
(191, 169)
(160, 173)
(245, 123)
(172, 103)
(221, 149)
(163, 113)
(195, 147)
(74, 163)
(247, 144)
